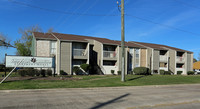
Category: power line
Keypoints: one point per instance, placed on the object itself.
(58, 11)
(81, 14)
(164, 25)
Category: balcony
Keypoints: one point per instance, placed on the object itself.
(80, 54)
(180, 59)
(163, 58)
(109, 55)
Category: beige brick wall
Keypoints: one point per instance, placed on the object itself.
(172, 63)
(149, 56)
(42, 48)
(143, 57)
(189, 61)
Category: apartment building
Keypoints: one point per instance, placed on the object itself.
(104, 54)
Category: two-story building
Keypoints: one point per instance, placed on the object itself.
(104, 54)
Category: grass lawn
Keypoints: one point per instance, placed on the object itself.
(101, 81)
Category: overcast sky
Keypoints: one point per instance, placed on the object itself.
(182, 18)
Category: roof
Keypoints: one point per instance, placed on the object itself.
(70, 37)
(159, 46)
(196, 65)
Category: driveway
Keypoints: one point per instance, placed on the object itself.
(147, 97)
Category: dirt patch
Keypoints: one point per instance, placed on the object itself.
(41, 78)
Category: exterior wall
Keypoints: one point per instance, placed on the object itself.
(189, 61)
(98, 47)
(66, 60)
(156, 60)
(43, 48)
(149, 57)
(172, 61)
(143, 59)
(119, 62)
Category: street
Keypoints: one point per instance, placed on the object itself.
(134, 97)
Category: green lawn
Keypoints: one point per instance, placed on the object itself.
(101, 81)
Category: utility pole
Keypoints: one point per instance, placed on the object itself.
(122, 42)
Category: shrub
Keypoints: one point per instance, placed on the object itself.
(37, 72)
(30, 72)
(85, 67)
(167, 73)
(49, 72)
(22, 72)
(76, 70)
(43, 73)
(190, 72)
(112, 72)
(119, 72)
(141, 71)
(62, 72)
(162, 72)
(179, 72)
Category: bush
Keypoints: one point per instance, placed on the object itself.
(190, 72)
(76, 70)
(119, 72)
(141, 71)
(43, 73)
(162, 72)
(49, 72)
(30, 72)
(37, 72)
(85, 67)
(62, 72)
(179, 72)
(22, 72)
(167, 73)
(112, 72)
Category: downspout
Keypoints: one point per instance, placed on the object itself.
(57, 54)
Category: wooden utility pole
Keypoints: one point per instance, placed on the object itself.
(122, 42)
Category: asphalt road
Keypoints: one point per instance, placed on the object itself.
(145, 97)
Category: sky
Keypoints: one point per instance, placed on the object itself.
(170, 22)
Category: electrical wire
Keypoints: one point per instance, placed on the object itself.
(58, 11)
(164, 25)
(80, 14)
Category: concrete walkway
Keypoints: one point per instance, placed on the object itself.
(137, 97)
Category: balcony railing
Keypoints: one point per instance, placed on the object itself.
(79, 52)
(180, 59)
(109, 54)
(163, 58)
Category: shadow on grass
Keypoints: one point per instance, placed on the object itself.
(110, 101)
(138, 77)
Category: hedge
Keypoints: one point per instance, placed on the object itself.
(141, 71)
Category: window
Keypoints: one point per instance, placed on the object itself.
(137, 57)
(109, 63)
(53, 47)
(78, 62)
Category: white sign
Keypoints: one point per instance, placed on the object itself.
(44, 62)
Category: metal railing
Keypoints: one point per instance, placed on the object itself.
(109, 54)
(163, 58)
(79, 52)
